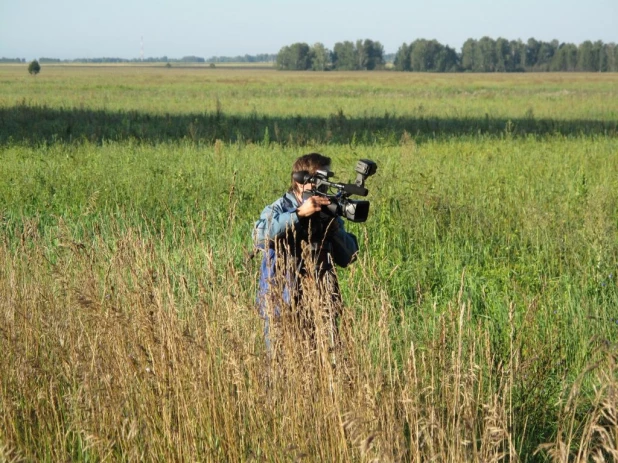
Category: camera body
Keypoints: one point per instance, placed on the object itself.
(340, 203)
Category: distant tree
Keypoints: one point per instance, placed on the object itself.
(420, 56)
(600, 63)
(374, 55)
(344, 56)
(426, 56)
(565, 58)
(402, 58)
(283, 58)
(518, 55)
(486, 55)
(503, 55)
(360, 57)
(532, 50)
(34, 67)
(295, 57)
(586, 57)
(468, 55)
(446, 59)
(320, 57)
(610, 50)
(602, 56)
(545, 55)
(300, 56)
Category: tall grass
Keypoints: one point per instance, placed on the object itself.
(108, 355)
(479, 320)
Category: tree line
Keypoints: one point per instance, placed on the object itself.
(345, 56)
(260, 58)
(484, 55)
(162, 59)
(421, 55)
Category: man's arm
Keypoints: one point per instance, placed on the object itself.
(273, 222)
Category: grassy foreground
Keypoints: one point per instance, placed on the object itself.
(480, 320)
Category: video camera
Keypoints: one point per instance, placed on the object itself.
(340, 202)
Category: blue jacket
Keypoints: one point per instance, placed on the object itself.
(279, 228)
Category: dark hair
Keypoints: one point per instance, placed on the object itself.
(311, 163)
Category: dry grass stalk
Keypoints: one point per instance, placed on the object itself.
(109, 354)
(597, 439)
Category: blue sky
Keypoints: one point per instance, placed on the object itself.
(69, 29)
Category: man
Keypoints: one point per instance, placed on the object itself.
(300, 241)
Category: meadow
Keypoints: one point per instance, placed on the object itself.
(480, 320)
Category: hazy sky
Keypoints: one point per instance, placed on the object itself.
(69, 29)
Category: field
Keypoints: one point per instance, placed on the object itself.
(480, 320)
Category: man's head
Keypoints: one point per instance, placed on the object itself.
(311, 163)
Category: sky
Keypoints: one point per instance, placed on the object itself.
(70, 29)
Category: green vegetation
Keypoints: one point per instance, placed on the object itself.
(34, 68)
(12, 60)
(484, 55)
(364, 55)
(480, 321)
(260, 58)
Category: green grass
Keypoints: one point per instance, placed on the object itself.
(160, 91)
(495, 204)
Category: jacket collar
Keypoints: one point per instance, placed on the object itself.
(291, 197)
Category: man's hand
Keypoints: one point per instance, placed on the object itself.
(312, 205)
